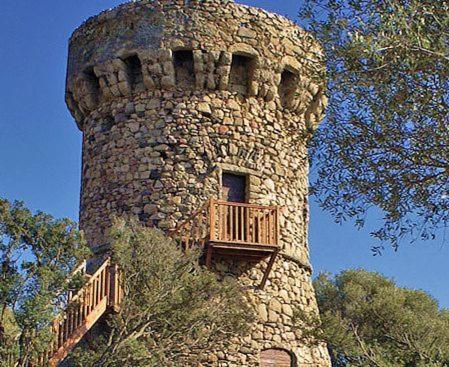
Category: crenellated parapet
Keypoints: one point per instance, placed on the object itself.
(194, 46)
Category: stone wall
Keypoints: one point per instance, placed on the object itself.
(171, 94)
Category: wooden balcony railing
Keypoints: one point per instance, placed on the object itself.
(239, 223)
(221, 222)
(232, 229)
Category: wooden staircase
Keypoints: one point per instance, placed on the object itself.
(219, 228)
(101, 293)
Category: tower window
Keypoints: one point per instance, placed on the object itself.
(92, 79)
(234, 188)
(134, 70)
(184, 69)
(242, 70)
(288, 87)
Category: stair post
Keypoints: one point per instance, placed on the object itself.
(114, 289)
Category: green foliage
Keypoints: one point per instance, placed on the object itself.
(385, 139)
(172, 305)
(368, 321)
(37, 255)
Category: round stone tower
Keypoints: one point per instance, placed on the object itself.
(184, 101)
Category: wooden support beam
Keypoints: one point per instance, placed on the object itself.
(210, 250)
(268, 270)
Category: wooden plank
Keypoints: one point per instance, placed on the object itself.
(230, 227)
(247, 225)
(246, 205)
(277, 226)
(212, 219)
(225, 223)
(236, 223)
(242, 223)
(268, 270)
(270, 227)
(245, 247)
(209, 256)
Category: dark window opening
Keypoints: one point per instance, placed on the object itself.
(134, 70)
(92, 79)
(106, 124)
(242, 70)
(93, 86)
(288, 87)
(184, 68)
(234, 188)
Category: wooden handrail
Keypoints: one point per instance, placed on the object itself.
(190, 218)
(81, 269)
(82, 312)
(92, 279)
(192, 232)
(244, 205)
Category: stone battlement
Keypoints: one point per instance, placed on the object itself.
(203, 46)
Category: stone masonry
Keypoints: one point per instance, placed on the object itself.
(170, 94)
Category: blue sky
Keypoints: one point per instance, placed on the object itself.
(40, 146)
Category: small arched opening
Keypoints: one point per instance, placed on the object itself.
(242, 73)
(134, 71)
(184, 69)
(288, 86)
(277, 358)
(93, 84)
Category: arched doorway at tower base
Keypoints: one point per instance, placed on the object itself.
(277, 358)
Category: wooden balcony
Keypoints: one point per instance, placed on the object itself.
(225, 229)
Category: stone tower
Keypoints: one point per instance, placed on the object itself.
(183, 101)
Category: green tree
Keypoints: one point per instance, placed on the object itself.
(37, 257)
(385, 140)
(172, 305)
(368, 321)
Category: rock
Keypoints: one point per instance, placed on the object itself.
(275, 305)
(140, 107)
(263, 313)
(246, 33)
(204, 108)
(134, 127)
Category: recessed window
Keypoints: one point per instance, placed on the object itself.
(242, 70)
(184, 69)
(234, 188)
(93, 83)
(134, 71)
(288, 87)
